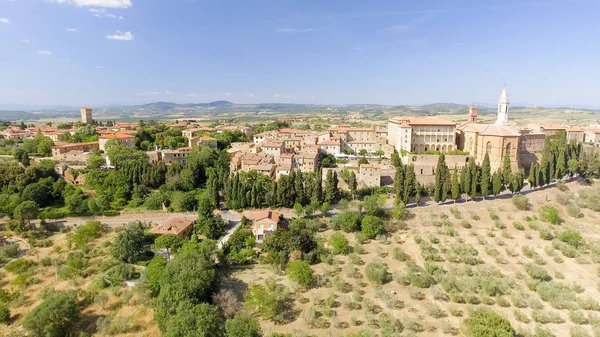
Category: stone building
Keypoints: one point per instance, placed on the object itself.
(421, 134)
(369, 175)
(496, 139)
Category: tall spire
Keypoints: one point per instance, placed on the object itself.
(503, 105)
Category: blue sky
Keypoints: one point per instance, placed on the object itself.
(96, 52)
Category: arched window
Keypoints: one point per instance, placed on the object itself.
(488, 148)
(507, 149)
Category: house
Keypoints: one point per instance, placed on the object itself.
(204, 141)
(370, 175)
(264, 223)
(179, 226)
(123, 138)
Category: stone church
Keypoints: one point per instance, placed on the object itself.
(495, 139)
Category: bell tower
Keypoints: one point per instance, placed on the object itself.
(503, 105)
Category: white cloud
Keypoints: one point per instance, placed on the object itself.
(98, 3)
(288, 30)
(103, 13)
(4, 20)
(126, 36)
(45, 52)
(25, 41)
(99, 67)
(252, 96)
(149, 93)
(71, 30)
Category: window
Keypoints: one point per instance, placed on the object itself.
(261, 226)
(507, 149)
(488, 148)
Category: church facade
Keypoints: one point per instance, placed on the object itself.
(497, 140)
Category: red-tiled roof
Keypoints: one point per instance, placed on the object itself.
(172, 226)
(259, 215)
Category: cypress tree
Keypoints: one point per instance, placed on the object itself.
(455, 193)
(506, 170)
(299, 188)
(441, 187)
(409, 183)
(399, 181)
(318, 188)
(497, 183)
(532, 176)
(474, 179)
(561, 164)
(352, 184)
(465, 179)
(486, 176)
(418, 191)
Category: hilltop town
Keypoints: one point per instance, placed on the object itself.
(299, 227)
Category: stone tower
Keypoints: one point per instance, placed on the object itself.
(473, 114)
(86, 115)
(503, 105)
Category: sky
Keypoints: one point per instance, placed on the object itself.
(100, 52)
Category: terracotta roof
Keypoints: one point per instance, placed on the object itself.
(259, 215)
(172, 226)
(420, 120)
(66, 146)
(117, 136)
(205, 138)
(272, 144)
(264, 167)
(329, 142)
(373, 166)
(284, 167)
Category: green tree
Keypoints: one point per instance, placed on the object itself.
(170, 242)
(154, 272)
(348, 221)
(352, 184)
(496, 183)
(396, 159)
(379, 153)
(195, 320)
(506, 170)
(243, 325)
(531, 179)
(362, 152)
(339, 244)
(268, 300)
(373, 204)
(130, 243)
(188, 277)
(410, 182)
(331, 187)
(26, 211)
(371, 226)
(486, 176)
(441, 186)
(85, 234)
(300, 272)
(455, 191)
(54, 317)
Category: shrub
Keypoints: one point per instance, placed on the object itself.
(299, 271)
(243, 325)
(494, 216)
(371, 226)
(537, 272)
(521, 317)
(577, 317)
(577, 331)
(110, 212)
(86, 233)
(550, 214)
(545, 317)
(400, 255)
(483, 322)
(521, 202)
(572, 238)
(574, 211)
(465, 224)
(376, 272)
(347, 221)
(519, 226)
(546, 234)
(339, 244)
(54, 317)
(435, 311)
(9, 251)
(4, 314)
(19, 266)
(456, 213)
(541, 332)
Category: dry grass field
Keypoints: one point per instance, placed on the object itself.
(442, 262)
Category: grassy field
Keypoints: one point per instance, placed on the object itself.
(438, 265)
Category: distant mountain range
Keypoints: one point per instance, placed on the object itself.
(167, 110)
